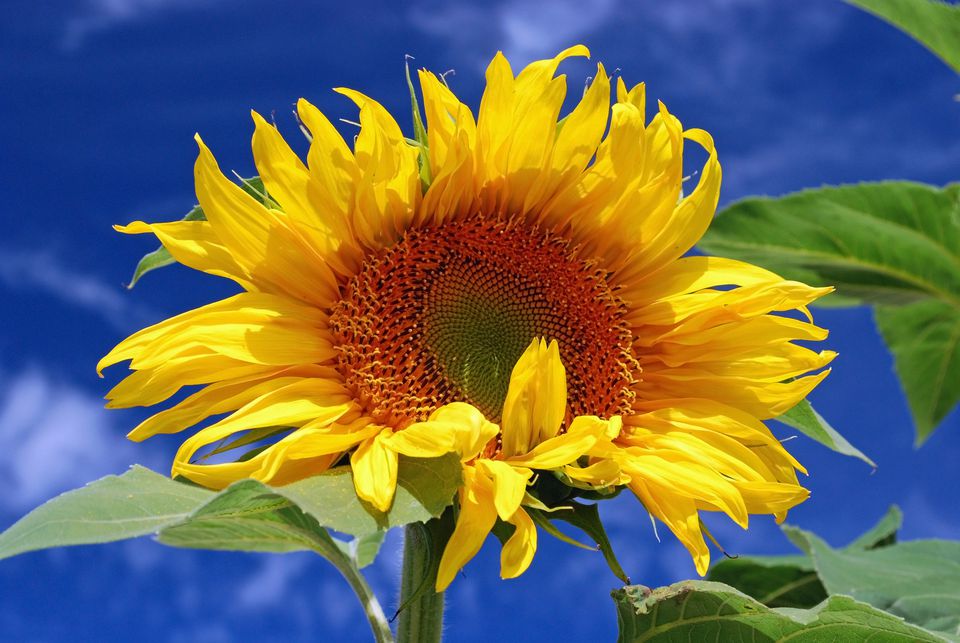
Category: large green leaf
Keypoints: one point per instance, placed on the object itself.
(707, 611)
(250, 516)
(775, 582)
(137, 503)
(161, 256)
(879, 243)
(141, 502)
(805, 418)
(792, 581)
(894, 245)
(917, 580)
(935, 24)
(925, 341)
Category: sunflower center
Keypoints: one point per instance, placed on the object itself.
(444, 315)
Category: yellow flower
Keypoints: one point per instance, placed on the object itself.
(380, 315)
(496, 475)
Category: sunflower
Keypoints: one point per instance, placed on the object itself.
(512, 288)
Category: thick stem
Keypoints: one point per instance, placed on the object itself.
(421, 607)
(371, 606)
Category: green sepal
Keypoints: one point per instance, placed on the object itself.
(419, 132)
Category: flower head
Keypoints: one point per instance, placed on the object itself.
(528, 306)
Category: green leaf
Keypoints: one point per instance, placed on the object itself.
(707, 611)
(792, 581)
(893, 242)
(425, 487)
(250, 516)
(917, 580)
(894, 245)
(805, 419)
(935, 24)
(136, 503)
(161, 257)
(925, 341)
(142, 502)
(587, 519)
(792, 584)
(882, 534)
(362, 550)
(246, 516)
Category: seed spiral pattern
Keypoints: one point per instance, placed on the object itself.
(445, 313)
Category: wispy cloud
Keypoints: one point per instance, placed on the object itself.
(524, 29)
(96, 16)
(54, 437)
(46, 272)
(270, 584)
(537, 28)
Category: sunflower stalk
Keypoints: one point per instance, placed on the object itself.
(421, 607)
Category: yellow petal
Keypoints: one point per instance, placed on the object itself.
(276, 257)
(494, 120)
(518, 551)
(244, 320)
(603, 473)
(576, 142)
(680, 515)
(670, 472)
(293, 405)
(388, 190)
(153, 385)
(668, 238)
(194, 244)
(456, 427)
(223, 397)
(536, 398)
(475, 520)
(690, 274)
(305, 452)
(584, 432)
(333, 167)
(374, 469)
(452, 135)
(447, 117)
(708, 308)
(509, 485)
(288, 181)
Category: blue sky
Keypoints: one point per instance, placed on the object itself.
(100, 103)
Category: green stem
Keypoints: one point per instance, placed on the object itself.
(421, 608)
(368, 600)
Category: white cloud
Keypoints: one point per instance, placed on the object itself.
(539, 28)
(524, 29)
(53, 437)
(44, 271)
(270, 585)
(102, 15)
